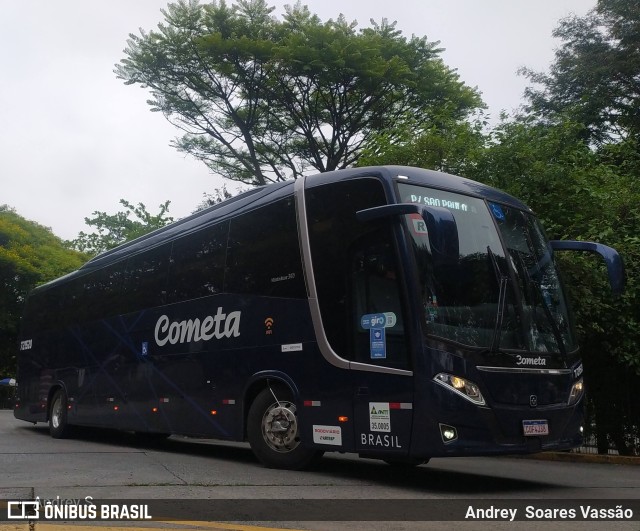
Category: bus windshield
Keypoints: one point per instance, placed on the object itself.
(488, 296)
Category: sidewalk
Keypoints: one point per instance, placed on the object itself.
(573, 457)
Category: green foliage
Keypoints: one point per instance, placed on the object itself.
(114, 229)
(595, 82)
(452, 146)
(218, 196)
(262, 99)
(574, 157)
(594, 77)
(581, 194)
(29, 255)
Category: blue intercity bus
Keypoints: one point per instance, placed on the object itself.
(394, 312)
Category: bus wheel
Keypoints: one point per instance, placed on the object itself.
(58, 425)
(272, 427)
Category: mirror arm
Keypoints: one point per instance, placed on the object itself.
(615, 266)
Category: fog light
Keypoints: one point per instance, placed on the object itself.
(461, 386)
(448, 433)
(576, 392)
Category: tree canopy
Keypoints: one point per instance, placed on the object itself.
(114, 229)
(29, 255)
(261, 99)
(594, 77)
(573, 155)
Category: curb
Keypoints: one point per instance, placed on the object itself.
(572, 457)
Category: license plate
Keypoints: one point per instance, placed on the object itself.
(534, 428)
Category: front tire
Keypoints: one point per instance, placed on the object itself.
(58, 425)
(272, 428)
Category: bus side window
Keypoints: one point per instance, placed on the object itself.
(375, 291)
(104, 285)
(145, 279)
(338, 243)
(197, 264)
(263, 254)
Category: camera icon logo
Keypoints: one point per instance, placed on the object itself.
(23, 510)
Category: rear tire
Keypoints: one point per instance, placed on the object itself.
(58, 425)
(272, 428)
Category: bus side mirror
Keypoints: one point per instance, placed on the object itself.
(615, 266)
(443, 233)
(440, 224)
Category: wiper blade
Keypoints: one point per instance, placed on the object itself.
(502, 280)
(545, 304)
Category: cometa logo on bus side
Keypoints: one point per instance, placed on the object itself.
(216, 326)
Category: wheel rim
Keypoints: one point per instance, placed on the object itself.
(56, 413)
(280, 427)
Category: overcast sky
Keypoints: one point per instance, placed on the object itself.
(74, 139)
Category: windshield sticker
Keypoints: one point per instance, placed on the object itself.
(437, 202)
(418, 224)
(379, 416)
(378, 320)
(497, 211)
(378, 343)
(431, 308)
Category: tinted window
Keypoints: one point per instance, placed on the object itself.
(355, 267)
(264, 253)
(197, 267)
(43, 312)
(103, 291)
(375, 294)
(145, 280)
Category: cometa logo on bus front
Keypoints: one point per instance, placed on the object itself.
(216, 326)
(523, 360)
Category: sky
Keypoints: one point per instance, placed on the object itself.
(74, 139)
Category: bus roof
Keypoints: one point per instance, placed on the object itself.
(421, 176)
(257, 196)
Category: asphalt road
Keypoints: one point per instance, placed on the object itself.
(108, 465)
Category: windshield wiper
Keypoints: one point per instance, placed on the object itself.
(545, 304)
(503, 281)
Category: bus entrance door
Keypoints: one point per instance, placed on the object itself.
(383, 383)
(383, 410)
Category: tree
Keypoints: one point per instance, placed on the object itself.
(29, 255)
(114, 229)
(580, 194)
(596, 73)
(261, 99)
(595, 81)
(218, 196)
(450, 146)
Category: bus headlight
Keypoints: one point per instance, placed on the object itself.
(576, 392)
(461, 386)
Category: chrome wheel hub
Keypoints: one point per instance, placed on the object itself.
(280, 427)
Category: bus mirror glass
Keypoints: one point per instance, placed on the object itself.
(441, 226)
(615, 266)
(443, 233)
